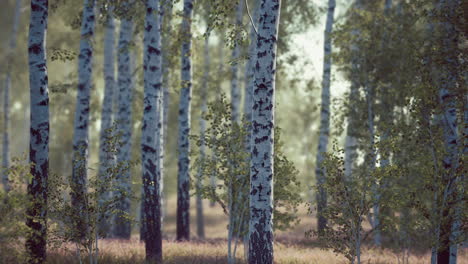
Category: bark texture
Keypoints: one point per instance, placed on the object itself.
(106, 157)
(39, 133)
(183, 176)
(324, 118)
(151, 133)
(261, 169)
(81, 123)
(122, 227)
(6, 98)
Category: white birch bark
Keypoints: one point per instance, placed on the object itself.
(261, 169)
(106, 157)
(351, 140)
(235, 89)
(81, 123)
(151, 132)
(122, 227)
(183, 177)
(39, 133)
(204, 88)
(324, 118)
(6, 98)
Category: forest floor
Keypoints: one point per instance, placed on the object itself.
(291, 246)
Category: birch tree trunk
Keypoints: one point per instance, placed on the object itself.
(204, 88)
(106, 157)
(183, 177)
(351, 140)
(324, 119)
(152, 122)
(36, 212)
(6, 99)
(261, 169)
(387, 117)
(122, 227)
(235, 89)
(448, 67)
(166, 31)
(81, 123)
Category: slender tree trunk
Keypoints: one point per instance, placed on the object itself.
(36, 212)
(6, 102)
(204, 87)
(447, 252)
(324, 119)
(261, 169)
(81, 124)
(152, 122)
(106, 156)
(248, 101)
(351, 140)
(166, 18)
(183, 177)
(235, 89)
(122, 227)
(219, 81)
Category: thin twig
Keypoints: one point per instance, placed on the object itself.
(251, 19)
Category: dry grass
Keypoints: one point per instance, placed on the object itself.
(290, 247)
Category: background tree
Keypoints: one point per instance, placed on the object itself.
(39, 128)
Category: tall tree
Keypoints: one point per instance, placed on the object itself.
(352, 122)
(324, 118)
(447, 78)
(6, 99)
(122, 227)
(151, 132)
(81, 123)
(183, 176)
(166, 31)
(39, 133)
(106, 157)
(261, 169)
(204, 88)
(235, 89)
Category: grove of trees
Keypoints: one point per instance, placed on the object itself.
(138, 109)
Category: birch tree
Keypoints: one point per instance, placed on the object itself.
(183, 176)
(81, 123)
(122, 227)
(39, 133)
(151, 132)
(106, 157)
(235, 89)
(204, 88)
(6, 98)
(261, 170)
(324, 118)
(447, 82)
